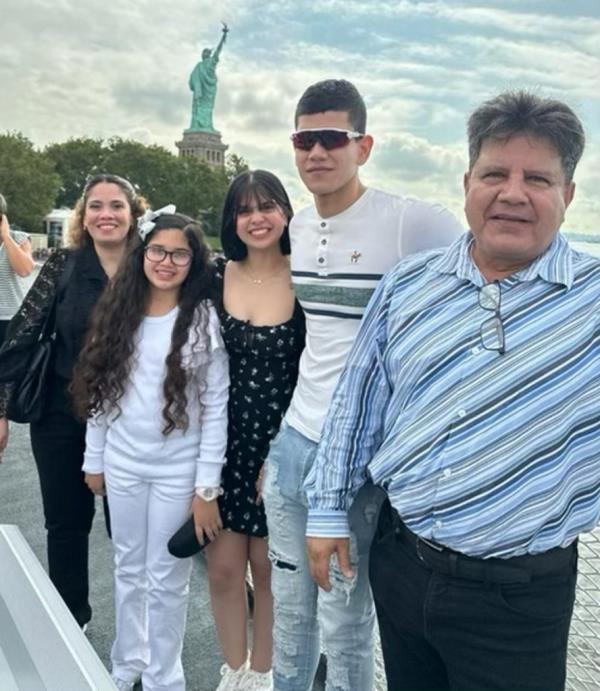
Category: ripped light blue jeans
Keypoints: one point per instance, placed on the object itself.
(346, 614)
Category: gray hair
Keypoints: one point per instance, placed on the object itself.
(522, 112)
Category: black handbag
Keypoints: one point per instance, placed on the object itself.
(26, 402)
(184, 542)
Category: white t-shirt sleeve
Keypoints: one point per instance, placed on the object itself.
(95, 441)
(213, 399)
(427, 226)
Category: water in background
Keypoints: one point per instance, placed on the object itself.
(589, 247)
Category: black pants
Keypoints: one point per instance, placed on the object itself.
(3, 326)
(449, 622)
(58, 443)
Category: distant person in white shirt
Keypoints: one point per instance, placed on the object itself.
(341, 247)
(16, 263)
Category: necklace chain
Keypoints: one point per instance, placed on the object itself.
(259, 281)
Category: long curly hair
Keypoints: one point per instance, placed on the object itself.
(102, 371)
(77, 235)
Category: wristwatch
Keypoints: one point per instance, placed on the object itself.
(209, 493)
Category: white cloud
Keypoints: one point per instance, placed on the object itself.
(540, 24)
(77, 69)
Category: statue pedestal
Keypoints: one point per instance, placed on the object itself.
(207, 146)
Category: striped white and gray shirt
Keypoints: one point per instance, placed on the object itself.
(492, 455)
(12, 287)
(337, 263)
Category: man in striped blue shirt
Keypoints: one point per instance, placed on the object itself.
(471, 397)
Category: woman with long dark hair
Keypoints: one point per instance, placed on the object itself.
(153, 379)
(263, 329)
(102, 225)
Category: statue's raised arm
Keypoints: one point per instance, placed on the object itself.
(221, 42)
(203, 84)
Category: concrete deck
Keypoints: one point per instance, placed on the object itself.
(20, 504)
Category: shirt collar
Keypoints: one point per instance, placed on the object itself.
(555, 265)
(88, 264)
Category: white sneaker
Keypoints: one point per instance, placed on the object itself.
(257, 681)
(231, 678)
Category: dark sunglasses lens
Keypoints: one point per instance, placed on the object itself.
(328, 139)
(304, 140)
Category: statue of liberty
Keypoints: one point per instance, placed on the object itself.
(203, 83)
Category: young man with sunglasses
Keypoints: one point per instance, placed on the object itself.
(341, 247)
(470, 399)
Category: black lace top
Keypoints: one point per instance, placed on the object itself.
(26, 325)
(73, 311)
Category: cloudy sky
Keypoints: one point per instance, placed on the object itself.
(72, 68)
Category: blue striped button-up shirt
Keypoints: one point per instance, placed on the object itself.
(489, 454)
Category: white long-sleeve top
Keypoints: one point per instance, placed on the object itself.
(135, 435)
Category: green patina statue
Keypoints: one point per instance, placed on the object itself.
(203, 83)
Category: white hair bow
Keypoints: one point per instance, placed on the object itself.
(147, 222)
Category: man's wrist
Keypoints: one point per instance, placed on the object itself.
(327, 524)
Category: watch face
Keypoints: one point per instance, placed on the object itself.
(208, 493)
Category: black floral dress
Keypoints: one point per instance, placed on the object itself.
(263, 369)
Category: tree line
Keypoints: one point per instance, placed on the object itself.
(36, 181)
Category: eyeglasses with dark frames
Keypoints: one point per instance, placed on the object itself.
(491, 332)
(157, 253)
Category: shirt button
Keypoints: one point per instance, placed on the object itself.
(447, 472)
(324, 241)
(475, 350)
(462, 412)
(321, 260)
(438, 524)
(323, 224)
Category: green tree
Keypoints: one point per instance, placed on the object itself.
(201, 191)
(191, 184)
(234, 165)
(152, 169)
(196, 188)
(27, 180)
(74, 160)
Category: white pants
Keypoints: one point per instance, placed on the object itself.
(151, 586)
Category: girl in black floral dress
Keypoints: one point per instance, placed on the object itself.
(263, 329)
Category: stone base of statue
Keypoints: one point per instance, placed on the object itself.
(207, 146)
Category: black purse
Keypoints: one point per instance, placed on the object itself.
(27, 398)
(184, 542)
(26, 402)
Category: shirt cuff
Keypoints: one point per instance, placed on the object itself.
(208, 474)
(93, 464)
(327, 524)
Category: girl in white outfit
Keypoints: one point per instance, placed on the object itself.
(153, 377)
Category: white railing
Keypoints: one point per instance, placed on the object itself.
(584, 641)
(583, 671)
